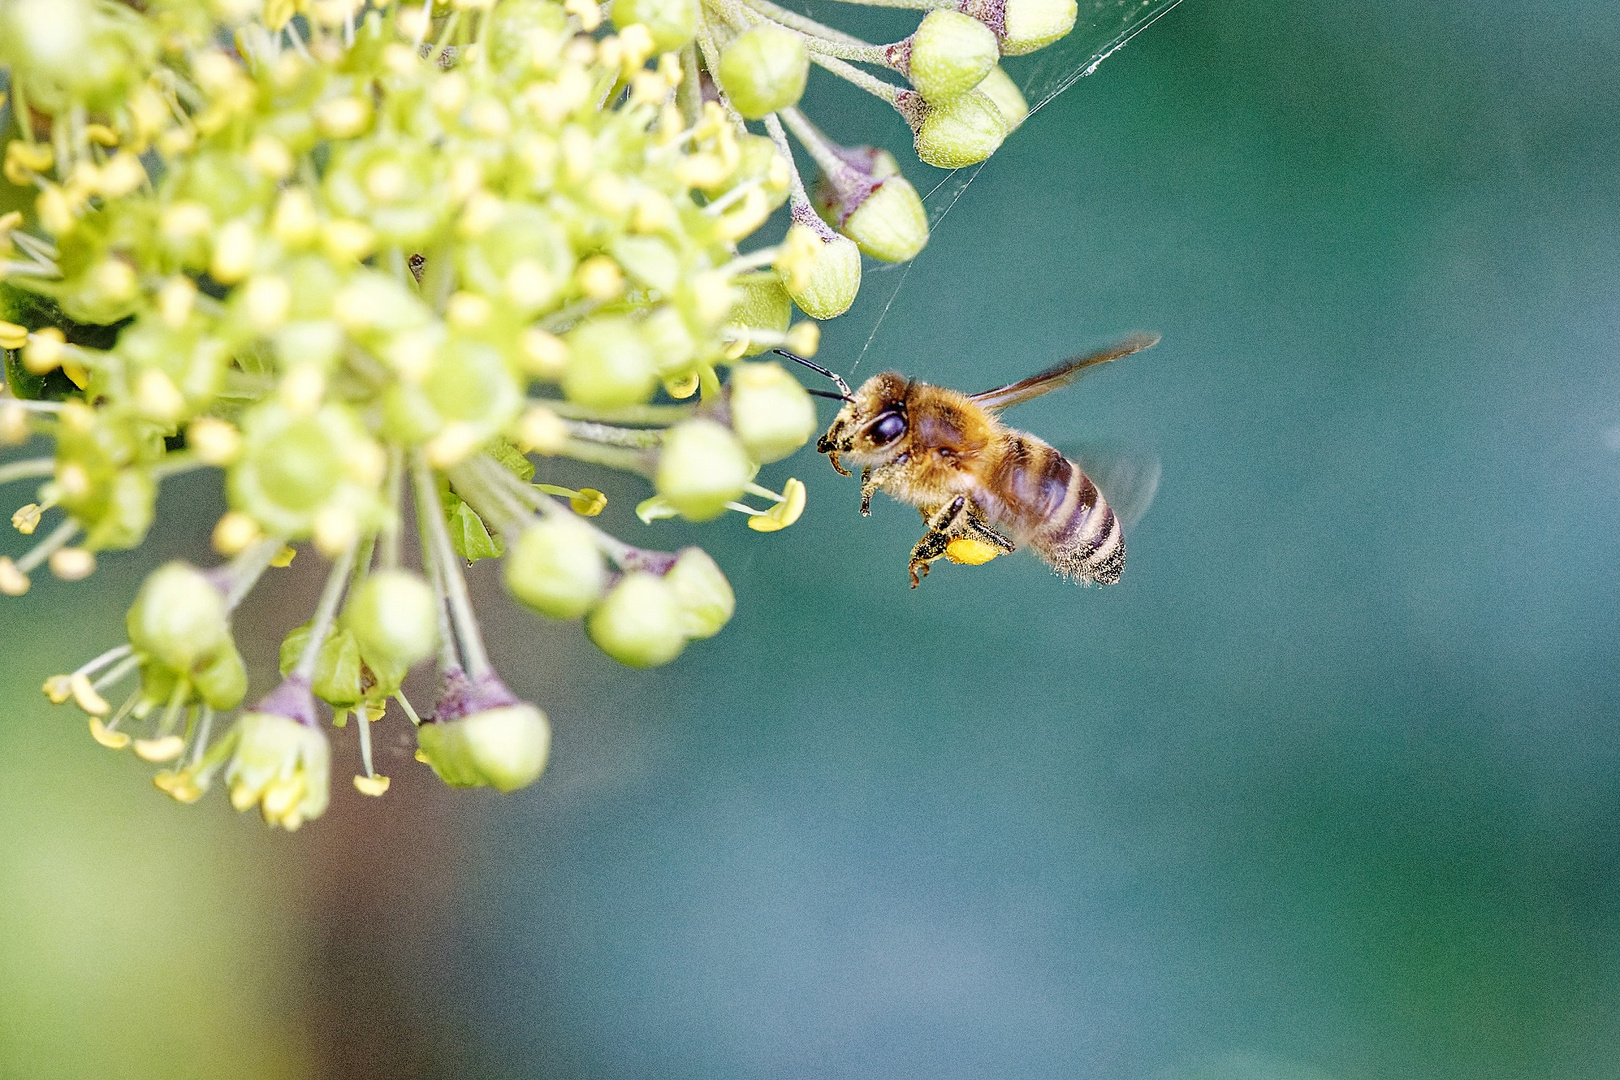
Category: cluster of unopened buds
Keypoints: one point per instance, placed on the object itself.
(374, 262)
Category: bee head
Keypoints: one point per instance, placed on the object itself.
(871, 428)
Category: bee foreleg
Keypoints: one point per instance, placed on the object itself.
(941, 530)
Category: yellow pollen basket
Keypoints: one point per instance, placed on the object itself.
(969, 552)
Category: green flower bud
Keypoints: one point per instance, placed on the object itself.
(556, 567)
(1008, 99)
(503, 747)
(672, 22)
(703, 593)
(951, 53)
(125, 512)
(962, 131)
(222, 682)
(640, 622)
(394, 618)
(75, 52)
(339, 670)
(770, 411)
(395, 185)
(1035, 24)
(609, 364)
(281, 765)
(764, 69)
(701, 467)
(889, 223)
(178, 617)
(871, 162)
(762, 304)
(524, 258)
(670, 339)
(835, 275)
(293, 467)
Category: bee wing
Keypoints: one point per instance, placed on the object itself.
(1061, 374)
(1127, 479)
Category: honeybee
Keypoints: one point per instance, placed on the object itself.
(985, 489)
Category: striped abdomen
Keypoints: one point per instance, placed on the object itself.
(1047, 502)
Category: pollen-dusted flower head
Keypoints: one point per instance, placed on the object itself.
(381, 264)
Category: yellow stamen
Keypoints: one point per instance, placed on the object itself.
(423, 758)
(13, 425)
(166, 748)
(73, 563)
(804, 338)
(455, 444)
(216, 442)
(334, 529)
(13, 582)
(371, 785)
(784, 513)
(157, 396)
(58, 688)
(77, 373)
(284, 557)
(280, 798)
(12, 336)
(546, 354)
(175, 301)
(43, 352)
(600, 278)
(86, 698)
(26, 519)
(588, 502)
(23, 159)
(542, 431)
(112, 740)
(242, 796)
(180, 786)
(235, 532)
(589, 14)
(681, 387)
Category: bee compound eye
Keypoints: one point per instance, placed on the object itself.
(887, 428)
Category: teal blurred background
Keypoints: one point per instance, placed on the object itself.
(1327, 789)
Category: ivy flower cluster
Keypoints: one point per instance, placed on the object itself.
(374, 261)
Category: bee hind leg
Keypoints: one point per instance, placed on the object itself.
(972, 526)
(942, 527)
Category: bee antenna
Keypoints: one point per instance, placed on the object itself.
(828, 394)
(843, 387)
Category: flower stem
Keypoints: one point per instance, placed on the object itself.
(773, 125)
(448, 658)
(461, 613)
(608, 435)
(27, 469)
(90, 667)
(851, 74)
(636, 415)
(395, 487)
(794, 21)
(689, 95)
(325, 615)
(246, 569)
(814, 142)
(48, 546)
